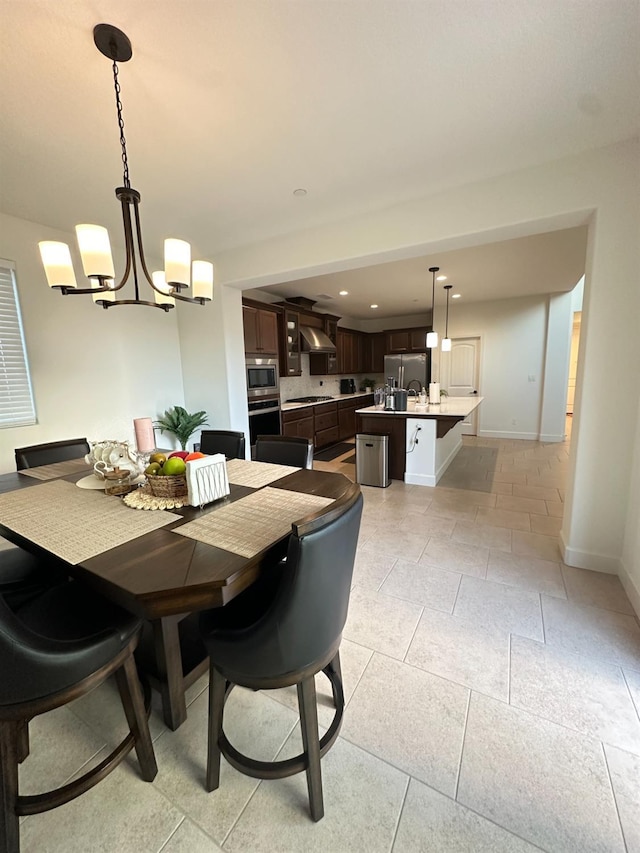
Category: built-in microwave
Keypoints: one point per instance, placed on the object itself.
(262, 377)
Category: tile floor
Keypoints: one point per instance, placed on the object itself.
(493, 698)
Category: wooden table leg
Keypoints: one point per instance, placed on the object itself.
(169, 667)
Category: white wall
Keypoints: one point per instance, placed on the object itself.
(212, 346)
(597, 187)
(92, 370)
(513, 335)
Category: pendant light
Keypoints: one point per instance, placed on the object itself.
(446, 341)
(432, 337)
(93, 240)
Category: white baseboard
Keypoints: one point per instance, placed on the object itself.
(631, 588)
(420, 479)
(550, 438)
(588, 560)
(497, 433)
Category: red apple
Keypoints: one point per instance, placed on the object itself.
(181, 453)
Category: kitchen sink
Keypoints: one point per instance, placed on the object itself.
(309, 399)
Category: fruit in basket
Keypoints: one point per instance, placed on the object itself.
(195, 455)
(153, 469)
(160, 458)
(181, 454)
(174, 466)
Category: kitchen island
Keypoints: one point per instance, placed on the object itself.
(424, 440)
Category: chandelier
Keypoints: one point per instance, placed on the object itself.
(93, 240)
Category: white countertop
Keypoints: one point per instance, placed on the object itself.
(457, 407)
(336, 398)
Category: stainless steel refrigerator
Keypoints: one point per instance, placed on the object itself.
(403, 368)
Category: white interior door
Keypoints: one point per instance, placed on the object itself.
(462, 370)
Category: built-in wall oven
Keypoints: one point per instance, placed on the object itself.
(262, 377)
(264, 417)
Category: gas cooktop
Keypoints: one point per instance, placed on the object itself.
(308, 399)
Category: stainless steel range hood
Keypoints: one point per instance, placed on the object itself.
(315, 340)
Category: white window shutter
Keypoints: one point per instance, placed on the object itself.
(16, 396)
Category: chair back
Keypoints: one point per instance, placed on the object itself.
(284, 450)
(47, 454)
(228, 442)
(304, 622)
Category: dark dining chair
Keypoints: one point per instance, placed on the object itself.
(229, 442)
(284, 450)
(54, 649)
(23, 576)
(53, 451)
(283, 634)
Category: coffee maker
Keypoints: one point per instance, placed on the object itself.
(347, 386)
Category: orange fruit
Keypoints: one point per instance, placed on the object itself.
(195, 455)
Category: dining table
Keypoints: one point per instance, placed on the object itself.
(164, 565)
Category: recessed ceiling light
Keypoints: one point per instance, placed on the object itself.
(456, 295)
(300, 191)
(344, 293)
(373, 306)
(441, 278)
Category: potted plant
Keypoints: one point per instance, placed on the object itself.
(367, 385)
(181, 423)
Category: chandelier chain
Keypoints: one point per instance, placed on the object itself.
(123, 141)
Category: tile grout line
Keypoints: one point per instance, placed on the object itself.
(464, 737)
(402, 805)
(613, 794)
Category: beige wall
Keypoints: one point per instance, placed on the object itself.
(92, 370)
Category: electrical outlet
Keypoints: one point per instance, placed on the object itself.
(321, 383)
(196, 447)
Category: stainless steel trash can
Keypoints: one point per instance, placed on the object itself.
(372, 460)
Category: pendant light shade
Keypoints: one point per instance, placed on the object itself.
(446, 341)
(432, 337)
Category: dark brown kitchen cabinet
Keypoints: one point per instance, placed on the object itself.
(290, 363)
(378, 345)
(407, 340)
(260, 330)
(298, 423)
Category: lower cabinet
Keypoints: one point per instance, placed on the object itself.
(298, 423)
(327, 423)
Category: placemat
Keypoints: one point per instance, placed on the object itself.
(72, 523)
(254, 522)
(56, 469)
(255, 475)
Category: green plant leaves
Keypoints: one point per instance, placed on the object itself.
(182, 424)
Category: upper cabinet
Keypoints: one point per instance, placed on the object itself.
(260, 330)
(291, 364)
(407, 340)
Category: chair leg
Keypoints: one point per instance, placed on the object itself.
(9, 821)
(311, 744)
(23, 740)
(217, 691)
(133, 704)
(336, 684)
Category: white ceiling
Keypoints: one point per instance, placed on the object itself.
(230, 105)
(537, 264)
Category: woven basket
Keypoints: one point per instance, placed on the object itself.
(168, 487)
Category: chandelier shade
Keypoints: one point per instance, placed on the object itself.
(94, 243)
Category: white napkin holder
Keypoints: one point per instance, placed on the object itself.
(207, 479)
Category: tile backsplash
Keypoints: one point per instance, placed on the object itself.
(310, 386)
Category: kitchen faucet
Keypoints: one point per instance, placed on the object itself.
(419, 385)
